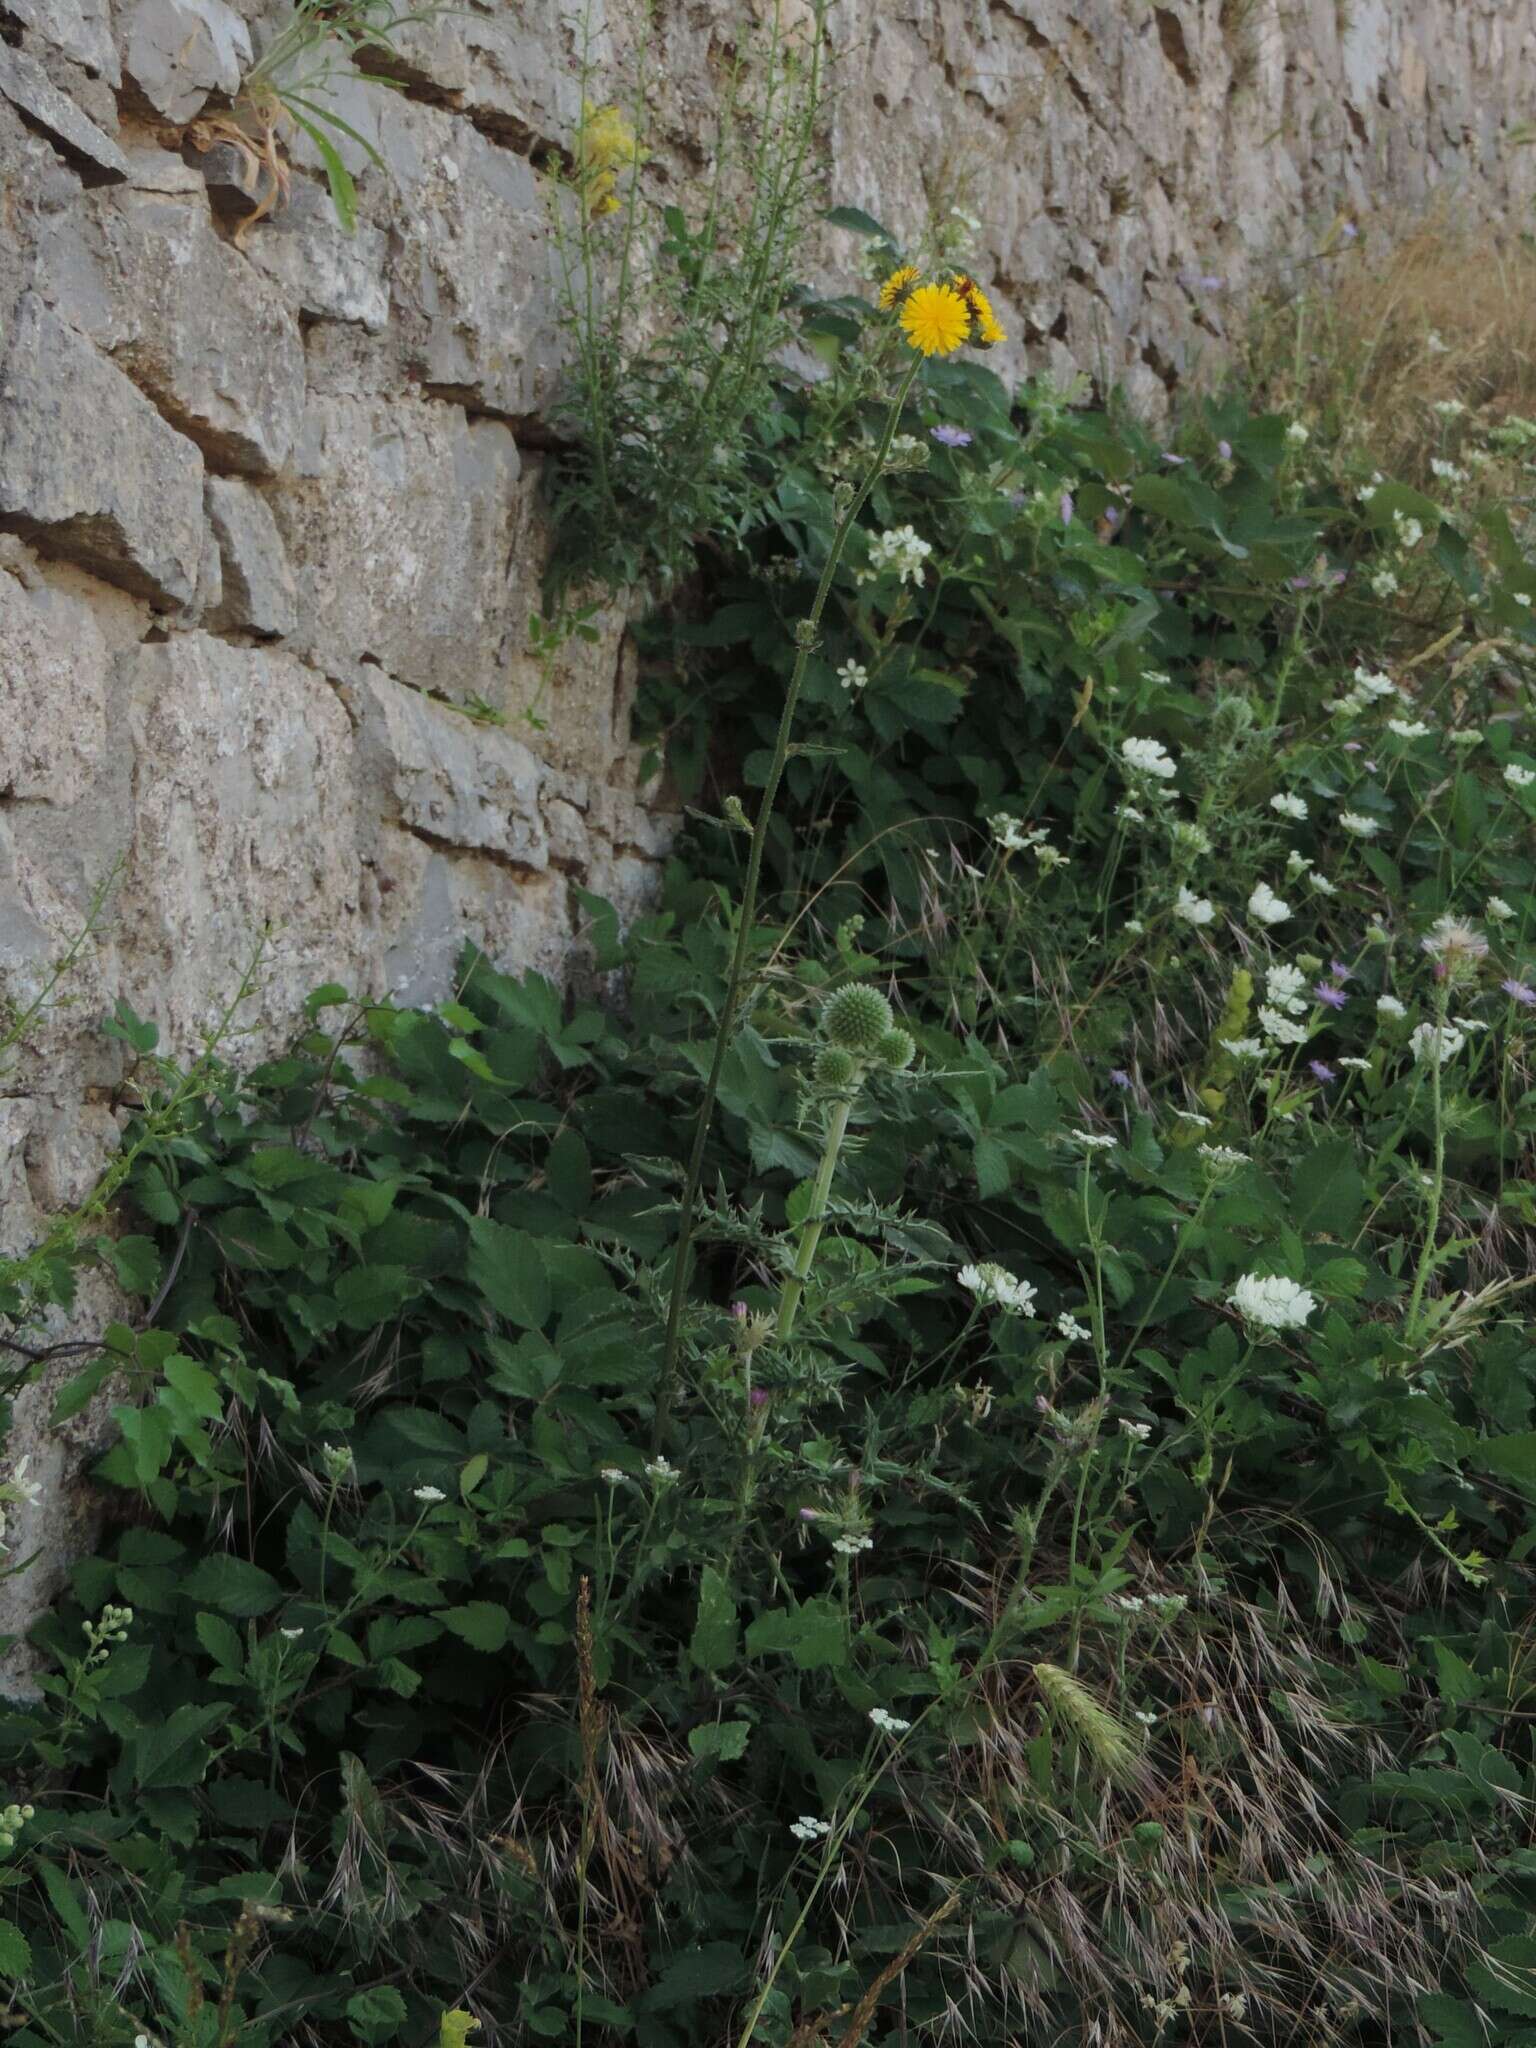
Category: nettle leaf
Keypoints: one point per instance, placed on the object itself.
(716, 1630)
(812, 1634)
(506, 1267)
(720, 1742)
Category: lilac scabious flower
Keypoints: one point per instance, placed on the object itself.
(1323, 1071)
(1520, 992)
(1335, 998)
(1224, 450)
(1119, 1078)
(952, 437)
(1066, 508)
(1339, 972)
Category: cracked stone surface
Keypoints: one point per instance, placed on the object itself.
(269, 497)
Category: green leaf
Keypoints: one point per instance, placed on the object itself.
(338, 177)
(720, 1742)
(232, 1585)
(196, 1386)
(15, 1953)
(812, 1634)
(1511, 1457)
(220, 1640)
(505, 1265)
(376, 2014)
(482, 1624)
(713, 1645)
(1327, 1192)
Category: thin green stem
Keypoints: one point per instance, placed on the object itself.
(806, 638)
(810, 1235)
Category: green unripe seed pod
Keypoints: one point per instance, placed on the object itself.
(897, 1049)
(857, 1018)
(835, 1070)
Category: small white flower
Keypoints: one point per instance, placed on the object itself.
(1192, 908)
(900, 548)
(1148, 757)
(1500, 911)
(1448, 408)
(1389, 1006)
(1140, 1431)
(1010, 834)
(1384, 584)
(1092, 1141)
(1266, 1302)
(1135, 927)
(1281, 1030)
(1129, 815)
(1297, 434)
(1070, 1328)
(1353, 1061)
(1365, 493)
(1242, 1048)
(612, 1474)
(809, 1829)
(1266, 906)
(428, 1495)
(995, 1287)
(1409, 531)
(1190, 837)
(1522, 598)
(851, 1546)
(1470, 1023)
(1464, 736)
(291, 1634)
(1358, 823)
(1130, 1602)
(888, 1724)
(1323, 886)
(1147, 1720)
(1407, 728)
(1287, 805)
(660, 1472)
(1374, 682)
(1437, 1042)
(1448, 472)
(1518, 777)
(1190, 1116)
(853, 675)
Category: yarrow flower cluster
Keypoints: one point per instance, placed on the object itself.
(1148, 757)
(995, 1287)
(888, 1724)
(809, 1829)
(1266, 1302)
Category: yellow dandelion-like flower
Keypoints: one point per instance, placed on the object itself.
(936, 320)
(987, 332)
(897, 285)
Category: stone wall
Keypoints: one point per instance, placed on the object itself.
(269, 501)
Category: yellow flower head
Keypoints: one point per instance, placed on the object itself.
(605, 144)
(897, 285)
(986, 332)
(935, 319)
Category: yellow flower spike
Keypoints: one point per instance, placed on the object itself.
(897, 285)
(935, 320)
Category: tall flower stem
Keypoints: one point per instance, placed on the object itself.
(810, 1235)
(805, 640)
(1437, 1184)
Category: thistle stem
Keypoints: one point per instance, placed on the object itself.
(810, 1234)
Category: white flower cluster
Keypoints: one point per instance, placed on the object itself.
(1288, 806)
(995, 1287)
(1266, 906)
(1437, 1042)
(1193, 909)
(1266, 1302)
(850, 1546)
(1370, 684)
(1148, 757)
(888, 1724)
(809, 1829)
(899, 548)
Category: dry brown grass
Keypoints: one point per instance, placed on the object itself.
(1372, 331)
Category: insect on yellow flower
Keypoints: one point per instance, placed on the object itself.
(936, 320)
(986, 332)
(897, 285)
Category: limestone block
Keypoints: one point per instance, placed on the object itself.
(257, 589)
(88, 468)
(400, 524)
(438, 900)
(473, 276)
(213, 342)
(449, 779)
(317, 266)
(517, 78)
(244, 816)
(39, 101)
(80, 29)
(53, 691)
(177, 52)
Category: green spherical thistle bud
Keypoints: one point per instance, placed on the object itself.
(1148, 1832)
(897, 1049)
(835, 1070)
(857, 1018)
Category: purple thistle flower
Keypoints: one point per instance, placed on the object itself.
(952, 437)
(759, 1397)
(1119, 1077)
(1335, 998)
(1520, 992)
(1066, 508)
(1339, 971)
(1322, 1071)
